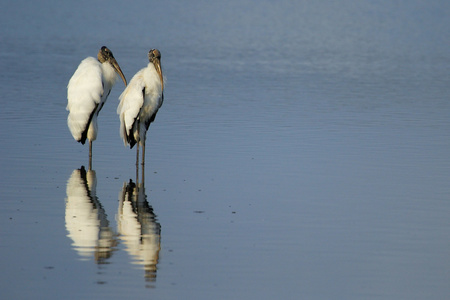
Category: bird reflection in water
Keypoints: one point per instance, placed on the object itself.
(138, 228)
(86, 220)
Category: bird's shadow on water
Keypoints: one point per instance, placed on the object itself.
(89, 229)
(86, 220)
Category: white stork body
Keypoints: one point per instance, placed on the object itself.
(87, 92)
(139, 104)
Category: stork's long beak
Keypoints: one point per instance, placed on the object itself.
(157, 65)
(118, 70)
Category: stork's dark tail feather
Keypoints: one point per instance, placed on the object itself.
(130, 136)
(131, 141)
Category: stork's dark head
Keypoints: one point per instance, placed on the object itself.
(154, 56)
(105, 55)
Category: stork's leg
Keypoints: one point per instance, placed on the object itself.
(137, 173)
(137, 144)
(90, 155)
(143, 154)
(137, 155)
(143, 175)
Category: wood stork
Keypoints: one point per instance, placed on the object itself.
(87, 92)
(140, 102)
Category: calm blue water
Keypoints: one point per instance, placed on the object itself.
(302, 152)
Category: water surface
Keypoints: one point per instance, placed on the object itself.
(301, 152)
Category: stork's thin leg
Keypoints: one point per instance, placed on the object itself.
(90, 155)
(143, 155)
(137, 144)
(143, 176)
(137, 174)
(137, 154)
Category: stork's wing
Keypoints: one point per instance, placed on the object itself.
(84, 93)
(131, 102)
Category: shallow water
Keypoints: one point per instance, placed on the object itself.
(301, 152)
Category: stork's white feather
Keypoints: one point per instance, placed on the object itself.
(140, 100)
(88, 88)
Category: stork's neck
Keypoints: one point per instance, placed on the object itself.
(109, 74)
